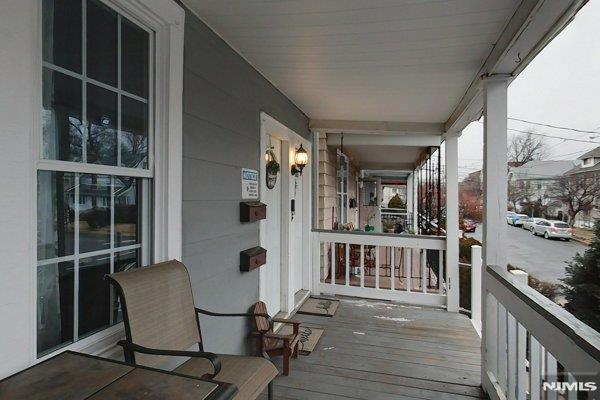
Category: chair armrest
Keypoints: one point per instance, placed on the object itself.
(272, 335)
(211, 357)
(216, 314)
(286, 321)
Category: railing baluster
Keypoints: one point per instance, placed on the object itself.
(332, 264)
(423, 270)
(362, 265)
(377, 267)
(512, 378)
(572, 394)
(502, 348)
(347, 264)
(321, 261)
(408, 258)
(392, 266)
(441, 271)
(535, 370)
(491, 336)
(551, 375)
(521, 362)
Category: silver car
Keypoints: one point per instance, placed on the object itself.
(530, 222)
(553, 229)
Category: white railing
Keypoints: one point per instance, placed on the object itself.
(381, 266)
(393, 215)
(533, 348)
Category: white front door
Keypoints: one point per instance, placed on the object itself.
(272, 270)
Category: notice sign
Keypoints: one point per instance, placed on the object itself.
(249, 183)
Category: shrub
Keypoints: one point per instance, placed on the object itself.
(464, 249)
(582, 283)
(548, 289)
(396, 202)
(464, 276)
(464, 273)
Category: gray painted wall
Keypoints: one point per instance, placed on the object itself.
(223, 98)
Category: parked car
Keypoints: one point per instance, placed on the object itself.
(468, 226)
(553, 229)
(517, 219)
(509, 215)
(530, 222)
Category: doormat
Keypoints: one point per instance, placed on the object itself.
(309, 337)
(322, 307)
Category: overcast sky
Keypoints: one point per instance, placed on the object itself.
(560, 87)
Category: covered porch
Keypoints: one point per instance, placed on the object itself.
(388, 84)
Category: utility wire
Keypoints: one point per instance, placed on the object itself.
(554, 126)
(551, 136)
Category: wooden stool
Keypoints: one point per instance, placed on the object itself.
(269, 343)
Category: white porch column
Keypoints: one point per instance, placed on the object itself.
(415, 201)
(494, 209)
(494, 172)
(452, 222)
(409, 198)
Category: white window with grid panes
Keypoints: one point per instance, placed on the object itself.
(95, 172)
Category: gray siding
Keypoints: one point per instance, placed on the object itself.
(223, 98)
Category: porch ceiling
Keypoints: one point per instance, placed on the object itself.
(386, 60)
(383, 157)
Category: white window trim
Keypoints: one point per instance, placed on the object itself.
(167, 20)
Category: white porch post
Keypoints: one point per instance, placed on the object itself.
(452, 222)
(494, 172)
(409, 198)
(415, 201)
(494, 204)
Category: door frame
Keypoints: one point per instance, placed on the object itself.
(289, 140)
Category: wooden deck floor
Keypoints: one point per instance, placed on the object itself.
(379, 350)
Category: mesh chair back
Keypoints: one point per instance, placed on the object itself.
(158, 309)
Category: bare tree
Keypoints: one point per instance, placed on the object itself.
(519, 192)
(577, 192)
(526, 147)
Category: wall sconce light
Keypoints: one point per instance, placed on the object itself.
(301, 160)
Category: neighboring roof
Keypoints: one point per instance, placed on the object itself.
(580, 169)
(543, 169)
(591, 153)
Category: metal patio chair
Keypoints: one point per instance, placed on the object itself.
(161, 321)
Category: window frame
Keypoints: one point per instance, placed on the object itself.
(165, 21)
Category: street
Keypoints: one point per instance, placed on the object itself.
(544, 259)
